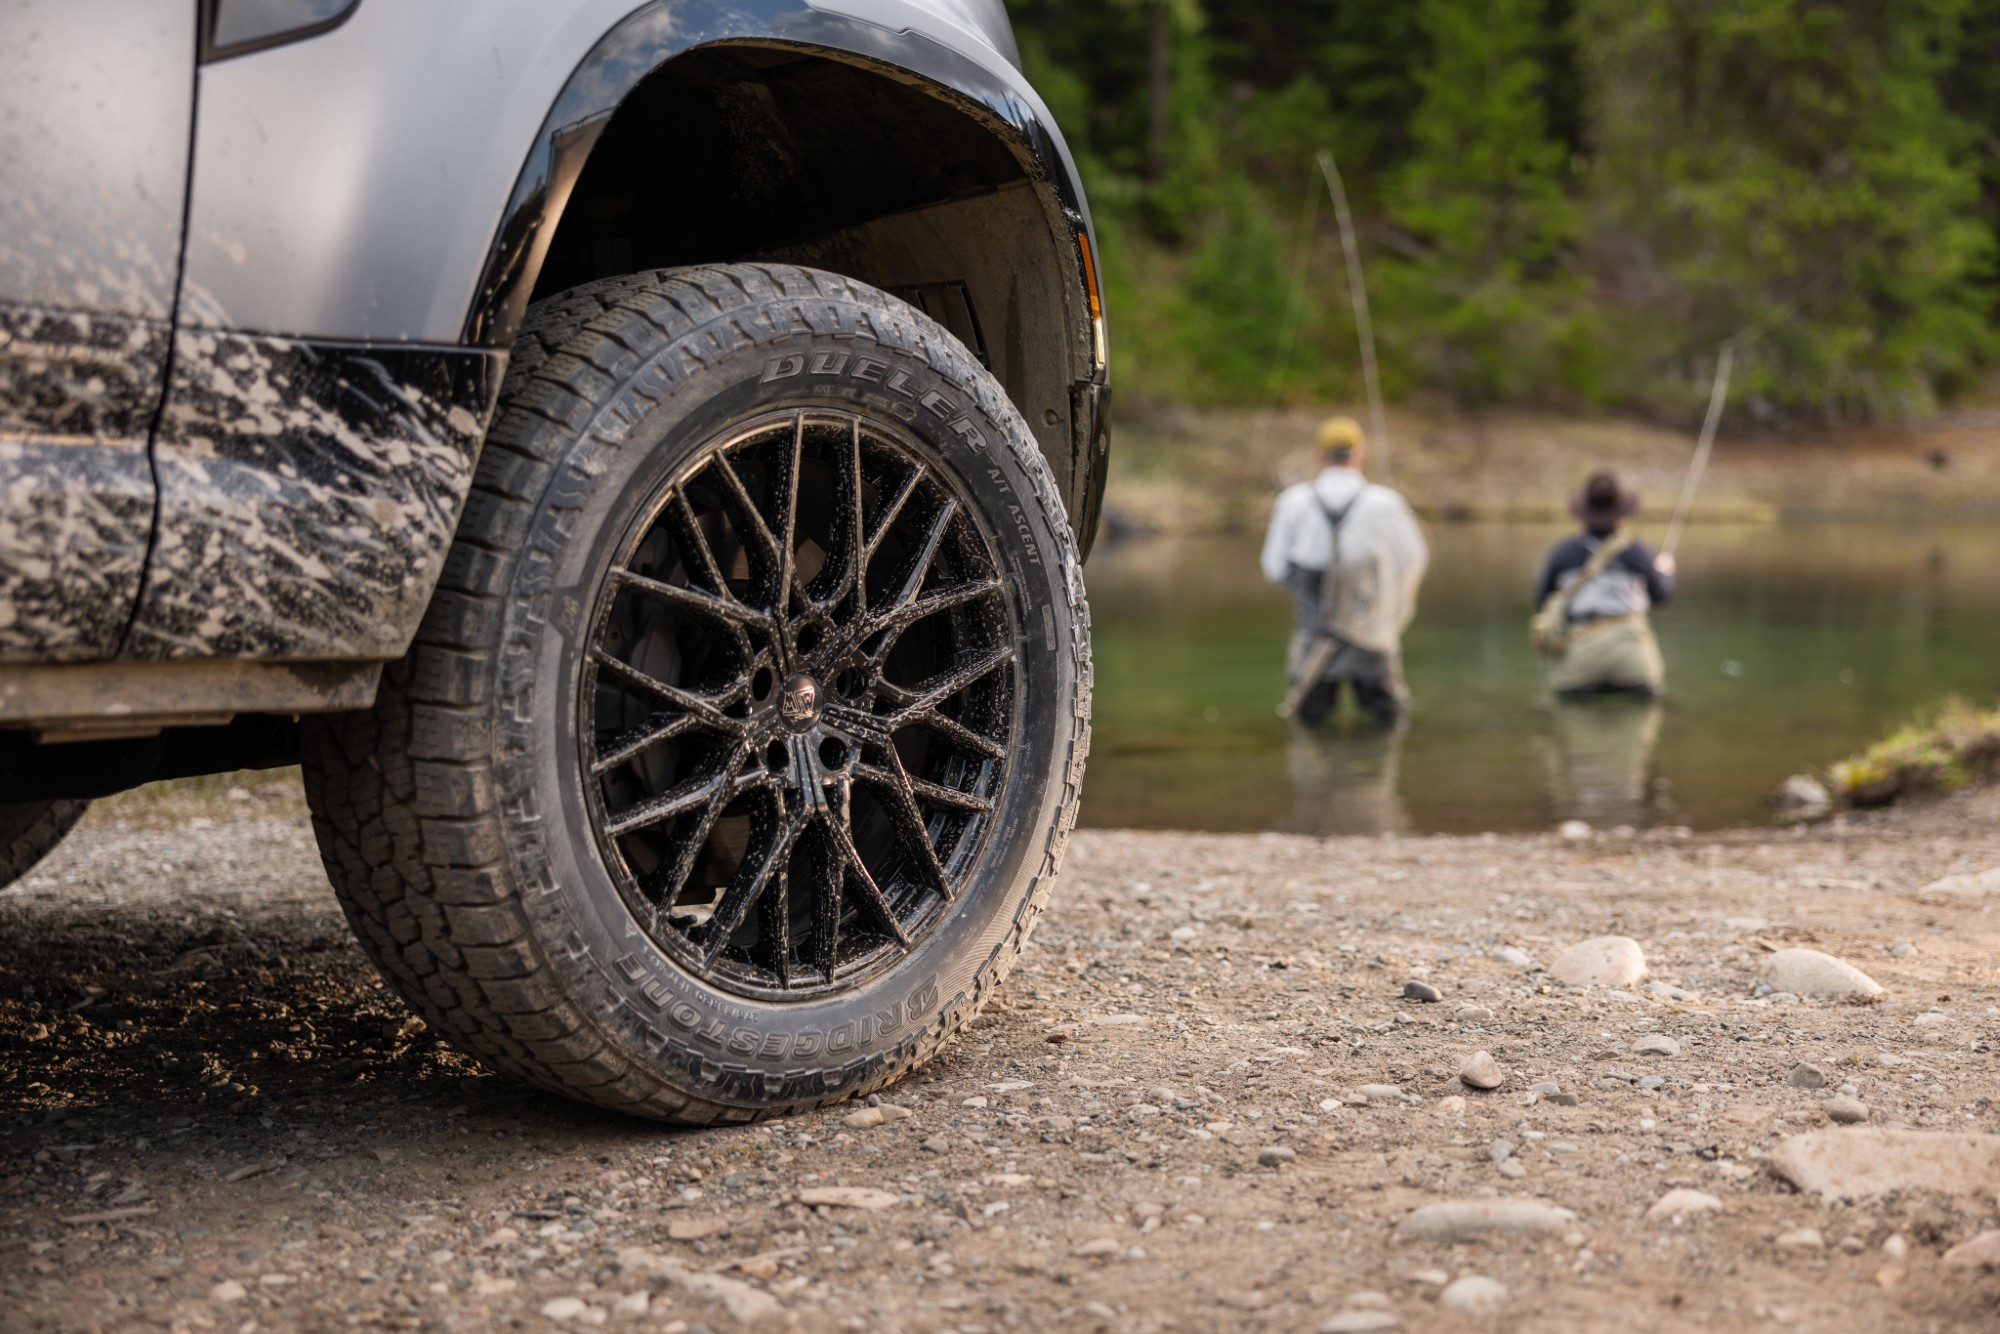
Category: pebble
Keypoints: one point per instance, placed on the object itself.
(1968, 888)
(564, 1308)
(1512, 1170)
(1810, 973)
(1800, 1239)
(1807, 1077)
(1421, 991)
(1452, 1221)
(1667, 991)
(1652, 1082)
(1545, 1088)
(1867, 1161)
(1449, 1106)
(1276, 1156)
(1682, 1202)
(1602, 961)
(633, 1303)
(1481, 1071)
(1803, 797)
(1358, 1322)
(1474, 1295)
(1502, 1150)
(1379, 1092)
(1512, 957)
(1896, 1247)
(1982, 1252)
(1097, 1246)
(227, 1291)
(869, 1117)
(1573, 830)
(935, 1144)
(1473, 1014)
(1656, 1044)
(1845, 1110)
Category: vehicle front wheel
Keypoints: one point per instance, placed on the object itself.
(740, 743)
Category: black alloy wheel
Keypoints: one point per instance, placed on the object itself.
(799, 696)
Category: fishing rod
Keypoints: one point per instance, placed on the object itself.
(1357, 291)
(1718, 394)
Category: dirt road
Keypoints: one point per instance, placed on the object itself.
(213, 1116)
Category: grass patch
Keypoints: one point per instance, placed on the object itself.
(1960, 746)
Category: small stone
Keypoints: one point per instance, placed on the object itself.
(1602, 961)
(1802, 797)
(1512, 1170)
(1358, 1322)
(633, 1303)
(1435, 1278)
(1379, 1092)
(1652, 1082)
(1449, 1106)
(1098, 1246)
(1868, 1161)
(1656, 1044)
(1807, 1077)
(1472, 1014)
(1845, 1110)
(1474, 1295)
(1501, 1151)
(1810, 973)
(1276, 1156)
(1561, 1099)
(1852, 1245)
(849, 1197)
(564, 1308)
(1573, 830)
(1684, 1203)
(1545, 1087)
(1421, 991)
(935, 1144)
(1800, 1239)
(1982, 1252)
(1513, 957)
(865, 1119)
(1896, 1247)
(1667, 991)
(1969, 888)
(227, 1291)
(1889, 1275)
(694, 1227)
(1453, 1221)
(1481, 1071)
(1165, 1097)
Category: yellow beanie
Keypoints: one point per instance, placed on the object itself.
(1341, 432)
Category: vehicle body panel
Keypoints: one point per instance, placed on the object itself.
(95, 101)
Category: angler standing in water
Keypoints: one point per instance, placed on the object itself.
(1592, 598)
(1353, 556)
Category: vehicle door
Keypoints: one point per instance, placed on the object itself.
(96, 109)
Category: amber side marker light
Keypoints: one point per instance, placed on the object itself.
(1097, 339)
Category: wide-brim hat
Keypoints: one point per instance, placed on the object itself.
(1604, 497)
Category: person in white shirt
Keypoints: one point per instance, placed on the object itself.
(1353, 555)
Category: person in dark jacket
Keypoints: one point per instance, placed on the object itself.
(1599, 635)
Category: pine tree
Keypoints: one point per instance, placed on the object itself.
(1480, 300)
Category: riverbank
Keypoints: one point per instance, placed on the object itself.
(1176, 470)
(1203, 1101)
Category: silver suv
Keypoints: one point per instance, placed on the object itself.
(635, 456)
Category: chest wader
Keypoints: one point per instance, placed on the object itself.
(1608, 653)
(1323, 660)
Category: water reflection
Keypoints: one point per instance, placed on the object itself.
(1344, 778)
(1598, 760)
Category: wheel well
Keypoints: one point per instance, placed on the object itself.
(751, 151)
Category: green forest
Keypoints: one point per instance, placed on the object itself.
(1570, 203)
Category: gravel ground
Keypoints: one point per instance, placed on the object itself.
(1204, 1101)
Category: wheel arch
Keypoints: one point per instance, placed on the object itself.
(823, 140)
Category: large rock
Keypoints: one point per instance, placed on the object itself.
(1810, 973)
(1982, 1252)
(1969, 888)
(1682, 1202)
(1802, 797)
(1867, 1161)
(1452, 1221)
(1602, 961)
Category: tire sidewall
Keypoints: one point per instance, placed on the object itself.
(708, 1043)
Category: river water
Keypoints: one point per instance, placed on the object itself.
(1789, 647)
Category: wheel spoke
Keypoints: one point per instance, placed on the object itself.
(775, 909)
(902, 782)
(742, 894)
(901, 617)
(953, 730)
(640, 739)
(788, 565)
(871, 893)
(913, 582)
(669, 805)
(729, 612)
(890, 511)
(916, 830)
(707, 709)
(926, 697)
(690, 526)
(669, 887)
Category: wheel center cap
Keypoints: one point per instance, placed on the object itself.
(798, 703)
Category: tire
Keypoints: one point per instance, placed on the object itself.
(667, 809)
(30, 830)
